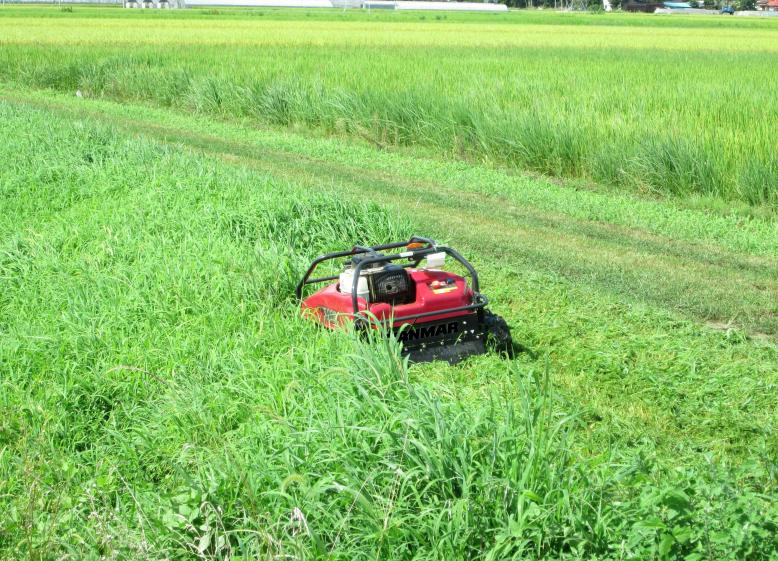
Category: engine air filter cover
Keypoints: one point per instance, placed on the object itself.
(392, 285)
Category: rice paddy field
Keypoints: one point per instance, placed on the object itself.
(661, 106)
(166, 177)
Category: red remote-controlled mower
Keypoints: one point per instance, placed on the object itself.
(435, 314)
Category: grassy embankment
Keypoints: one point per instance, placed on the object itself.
(160, 396)
(680, 106)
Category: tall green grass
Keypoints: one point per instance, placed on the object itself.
(670, 110)
(161, 397)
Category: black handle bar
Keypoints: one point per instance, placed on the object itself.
(357, 249)
(420, 254)
(415, 254)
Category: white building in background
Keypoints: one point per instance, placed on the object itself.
(434, 6)
(259, 3)
(366, 4)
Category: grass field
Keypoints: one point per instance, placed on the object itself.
(160, 397)
(682, 107)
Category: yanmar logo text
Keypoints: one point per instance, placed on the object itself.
(415, 333)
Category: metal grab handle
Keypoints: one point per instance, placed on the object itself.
(418, 253)
(354, 251)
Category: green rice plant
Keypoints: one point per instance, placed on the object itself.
(757, 182)
(676, 165)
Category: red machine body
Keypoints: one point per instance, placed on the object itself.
(435, 291)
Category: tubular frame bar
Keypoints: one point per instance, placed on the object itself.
(421, 253)
(416, 255)
(356, 250)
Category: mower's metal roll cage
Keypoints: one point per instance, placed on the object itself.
(416, 255)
